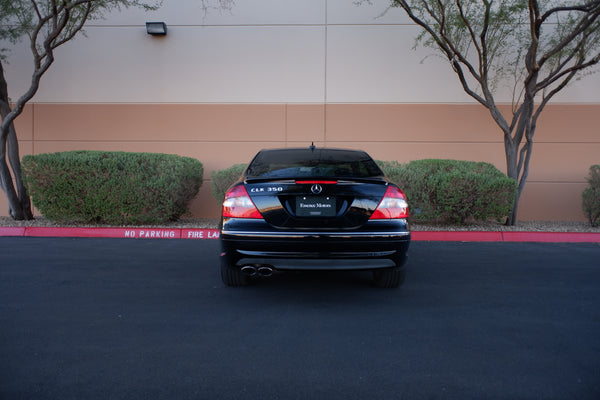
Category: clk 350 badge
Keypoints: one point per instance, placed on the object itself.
(268, 189)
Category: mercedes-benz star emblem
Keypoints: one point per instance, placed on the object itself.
(316, 188)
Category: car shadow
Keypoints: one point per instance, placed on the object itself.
(324, 279)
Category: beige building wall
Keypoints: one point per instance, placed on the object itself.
(222, 85)
(222, 135)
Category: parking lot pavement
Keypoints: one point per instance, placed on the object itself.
(150, 319)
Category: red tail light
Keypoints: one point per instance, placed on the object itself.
(238, 204)
(392, 206)
(317, 182)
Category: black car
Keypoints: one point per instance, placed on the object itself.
(298, 209)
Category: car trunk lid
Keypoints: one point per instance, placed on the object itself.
(316, 203)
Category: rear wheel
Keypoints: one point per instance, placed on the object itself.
(232, 276)
(389, 278)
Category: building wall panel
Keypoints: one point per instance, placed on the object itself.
(569, 123)
(306, 123)
(260, 62)
(376, 64)
(563, 162)
(243, 12)
(151, 122)
(411, 123)
(24, 124)
(192, 64)
(550, 201)
(372, 12)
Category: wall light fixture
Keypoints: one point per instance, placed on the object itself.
(156, 28)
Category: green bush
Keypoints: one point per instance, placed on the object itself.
(591, 196)
(222, 179)
(114, 188)
(453, 191)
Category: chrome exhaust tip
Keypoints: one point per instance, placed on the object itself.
(265, 270)
(249, 270)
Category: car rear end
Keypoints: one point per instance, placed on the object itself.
(314, 209)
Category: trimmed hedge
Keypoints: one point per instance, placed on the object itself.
(116, 188)
(453, 191)
(591, 196)
(222, 179)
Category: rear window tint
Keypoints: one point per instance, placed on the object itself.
(303, 163)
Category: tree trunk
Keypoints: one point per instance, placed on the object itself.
(19, 205)
(511, 150)
(518, 154)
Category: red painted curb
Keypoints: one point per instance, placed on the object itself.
(125, 233)
(457, 236)
(185, 233)
(11, 231)
(552, 237)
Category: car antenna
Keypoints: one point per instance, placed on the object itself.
(312, 146)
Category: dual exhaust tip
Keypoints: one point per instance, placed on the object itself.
(254, 270)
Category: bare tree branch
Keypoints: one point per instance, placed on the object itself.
(585, 23)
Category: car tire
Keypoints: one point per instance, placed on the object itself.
(389, 278)
(232, 276)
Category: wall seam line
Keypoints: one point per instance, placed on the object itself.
(287, 122)
(33, 107)
(326, 49)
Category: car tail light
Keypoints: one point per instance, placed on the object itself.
(238, 204)
(307, 182)
(393, 205)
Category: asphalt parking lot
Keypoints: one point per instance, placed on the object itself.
(150, 319)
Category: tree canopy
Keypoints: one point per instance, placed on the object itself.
(537, 47)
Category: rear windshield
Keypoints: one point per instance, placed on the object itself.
(304, 163)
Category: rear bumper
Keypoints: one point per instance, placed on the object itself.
(307, 235)
(381, 246)
(317, 264)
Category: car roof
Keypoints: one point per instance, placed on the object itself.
(315, 152)
(295, 161)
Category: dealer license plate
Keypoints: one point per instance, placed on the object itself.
(315, 206)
